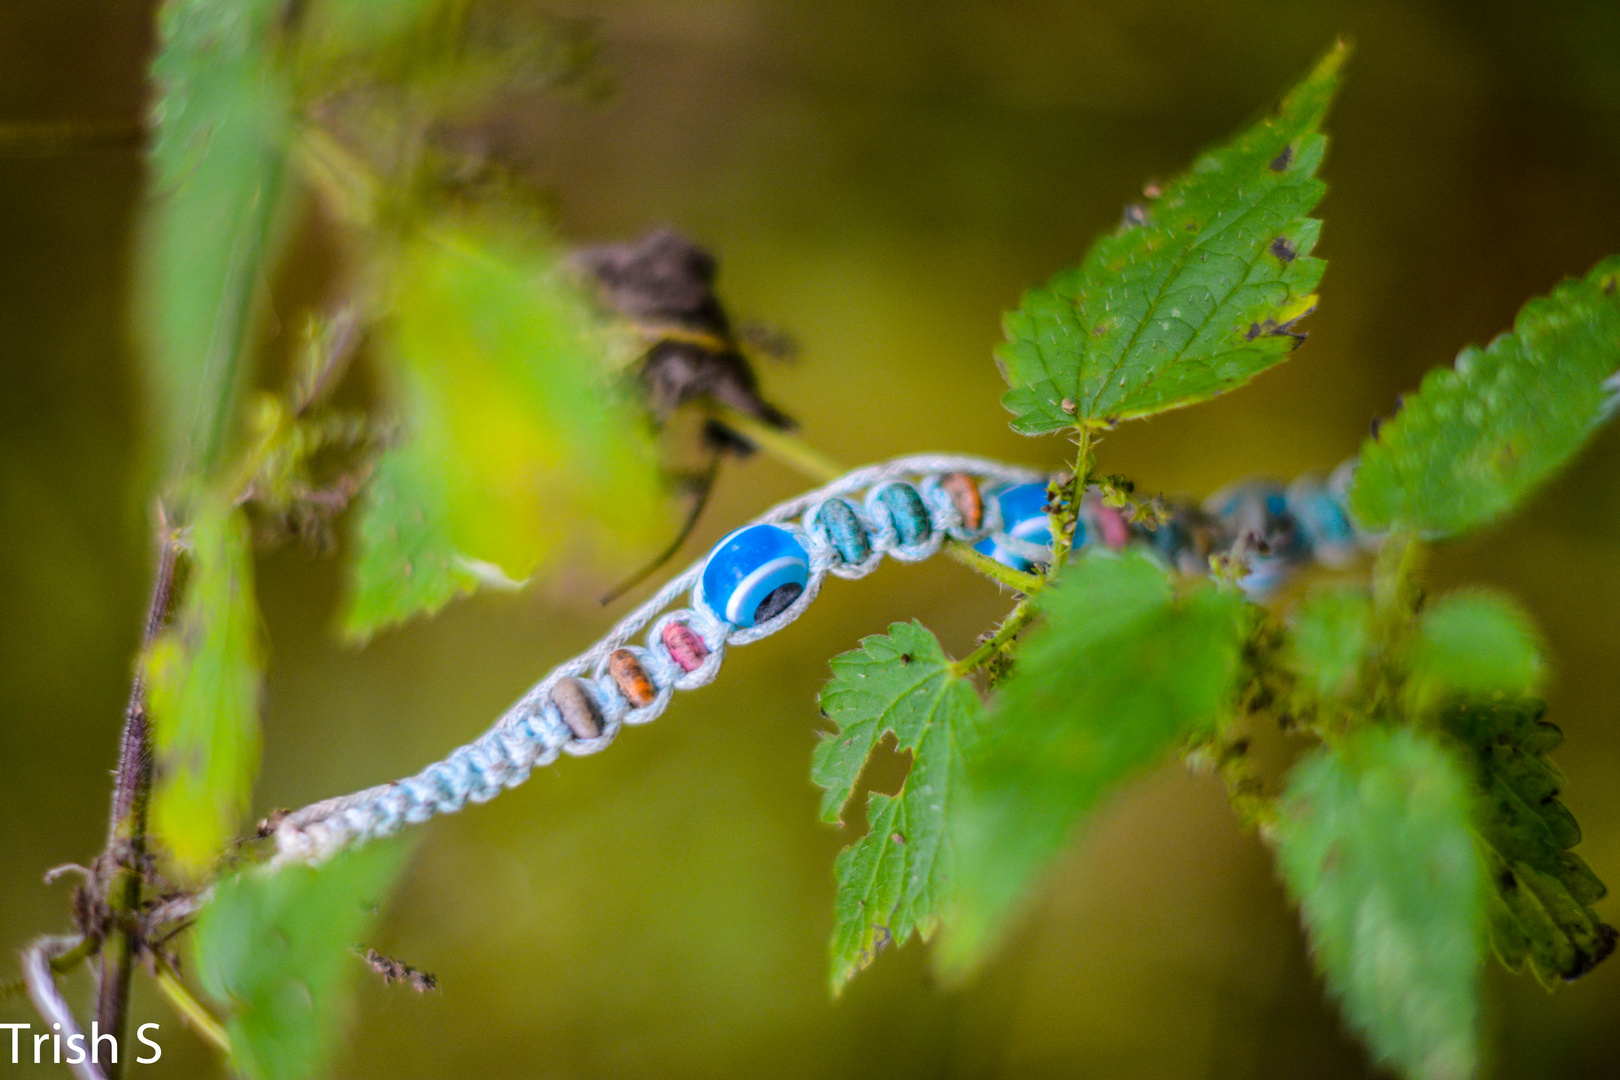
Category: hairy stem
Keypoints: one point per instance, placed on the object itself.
(1021, 616)
(984, 564)
(126, 829)
(1063, 523)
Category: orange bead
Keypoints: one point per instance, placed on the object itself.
(965, 497)
(631, 679)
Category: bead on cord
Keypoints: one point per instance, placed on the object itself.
(910, 508)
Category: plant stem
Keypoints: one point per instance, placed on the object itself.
(786, 448)
(1063, 523)
(1020, 617)
(1006, 575)
(126, 830)
(190, 1009)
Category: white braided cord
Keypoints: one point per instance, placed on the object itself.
(532, 733)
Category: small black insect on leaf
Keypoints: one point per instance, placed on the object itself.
(1281, 162)
(1282, 249)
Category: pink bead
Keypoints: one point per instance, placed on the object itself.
(1111, 523)
(685, 646)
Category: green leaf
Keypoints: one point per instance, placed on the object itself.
(1194, 295)
(203, 677)
(278, 946)
(1479, 437)
(1331, 636)
(405, 562)
(891, 882)
(1542, 893)
(215, 210)
(1374, 842)
(1121, 674)
(1474, 644)
(520, 449)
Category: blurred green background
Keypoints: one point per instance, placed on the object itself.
(882, 179)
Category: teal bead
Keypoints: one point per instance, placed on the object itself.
(844, 531)
(908, 511)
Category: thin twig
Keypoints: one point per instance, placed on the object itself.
(190, 1009)
(126, 830)
(786, 448)
(41, 980)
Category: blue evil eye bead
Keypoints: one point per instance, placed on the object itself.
(836, 520)
(909, 513)
(1023, 517)
(1323, 519)
(754, 574)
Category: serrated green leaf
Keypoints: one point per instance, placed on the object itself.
(1480, 436)
(1473, 644)
(405, 562)
(520, 448)
(215, 210)
(891, 882)
(1120, 674)
(1542, 893)
(203, 677)
(1194, 295)
(1374, 841)
(1329, 640)
(278, 946)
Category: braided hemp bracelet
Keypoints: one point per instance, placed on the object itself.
(763, 576)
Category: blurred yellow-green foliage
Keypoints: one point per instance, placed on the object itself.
(883, 180)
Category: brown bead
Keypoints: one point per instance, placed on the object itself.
(965, 497)
(578, 708)
(685, 646)
(631, 679)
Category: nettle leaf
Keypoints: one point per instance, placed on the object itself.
(1330, 637)
(1478, 437)
(520, 449)
(278, 946)
(1542, 893)
(406, 563)
(1375, 842)
(1474, 644)
(216, 207)
(1195, 294)
(1122, 673)
(891, 882)
(203, 676)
